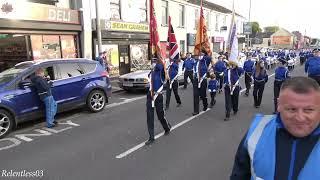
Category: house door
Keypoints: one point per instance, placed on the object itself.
(124, 59)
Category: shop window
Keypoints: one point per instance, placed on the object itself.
(45, 46)
(164, 9)
(115, 9)
(112, 57)
(182, 47)
(139, 57)
(69, 70)
(138, 8)
(181, 15)
(68, 46)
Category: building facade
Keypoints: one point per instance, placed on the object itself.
(125, 29)
(31, 30)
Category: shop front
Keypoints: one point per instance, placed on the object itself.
(218, 44)
(32, 31)
(126, 44)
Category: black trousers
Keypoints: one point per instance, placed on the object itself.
(317, 78)
(248, 80)
(276, 91)
(175, 86)
(302, 60)
(213, 96)
(219, 79)
(199, 93)
(187, 74)
(258, 89)
(158, 105)
(231, 101)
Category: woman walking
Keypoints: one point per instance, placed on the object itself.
(260, 77)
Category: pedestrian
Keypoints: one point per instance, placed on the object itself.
(281, 74)
(173, 84)
(213, 88)
(232, 88)
(312, 66)
(187, 67)
(260, 78)
(43, 88)
(285, 145)
(219, 69)
(200, 84)
(101, 58)
(248, 68)
(155, 99)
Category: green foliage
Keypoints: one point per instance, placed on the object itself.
(272, 29)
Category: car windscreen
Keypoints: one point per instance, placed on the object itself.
(9, 74)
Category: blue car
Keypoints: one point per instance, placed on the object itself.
(75, 83)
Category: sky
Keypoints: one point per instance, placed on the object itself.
(293, 15)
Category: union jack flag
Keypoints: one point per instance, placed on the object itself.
(172, 45)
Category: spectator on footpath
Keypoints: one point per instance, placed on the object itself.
(43, 88)
(286, 145)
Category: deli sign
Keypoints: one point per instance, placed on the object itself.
(10, 9)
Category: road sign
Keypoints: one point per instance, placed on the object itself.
(247, 28)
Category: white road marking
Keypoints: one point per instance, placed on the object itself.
(137, 147)
(123, 102)
(159, 135)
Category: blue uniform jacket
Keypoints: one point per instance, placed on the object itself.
(207, 59)
(188, 64)
(220, 66)
(213, 85)
(281, 73)
(248, 66)
(263, 76)
(43, 87)
(235, 75)
(202, 66)
(312, 66)
(173, 70)
(284, 160)
(158, 77)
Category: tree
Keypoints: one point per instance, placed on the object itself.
(255, 29)
(271, 29)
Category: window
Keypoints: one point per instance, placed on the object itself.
(196, 18)
(142, 5)
(45, 46)
(68, 70)
(181, 15)
(88, 67)
(208, 20)
(68, 46)
(182, 47)
(164, 10)
(217, 22)
(225, 20)
(115, 9)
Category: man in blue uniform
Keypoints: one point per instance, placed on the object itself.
(155, 99)
(248, 67)
(312, 66)
(200, 84)
(187, 67)
(286, 145)
(43, 88)
(281, 74)
(173, 84)
(219, 69)
(232, 88)
(260, 78)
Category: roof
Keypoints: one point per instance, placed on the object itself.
(212, 6)
(282, 32)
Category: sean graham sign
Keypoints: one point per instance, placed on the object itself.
(125, 26)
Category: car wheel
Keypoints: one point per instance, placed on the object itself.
(96, 100)
(6, 123)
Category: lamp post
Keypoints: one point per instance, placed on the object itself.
(98, 27)
(248, 36)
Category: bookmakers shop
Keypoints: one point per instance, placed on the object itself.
(31, 31)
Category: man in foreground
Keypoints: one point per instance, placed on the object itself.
(286, 145)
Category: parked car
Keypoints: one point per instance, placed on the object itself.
(139, 79)
(75, 83)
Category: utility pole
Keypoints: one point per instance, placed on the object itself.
(248, 36)
(98, 27)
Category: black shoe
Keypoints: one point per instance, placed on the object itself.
(235, 112)
(211, 105)
(214, 102)
(195, 113)
(226, 118)
(167, 108)
(257, 106)
(246, 94)
(149, 142)
(179, 104)
(166, 133)
(55, 122)
(51, 126)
